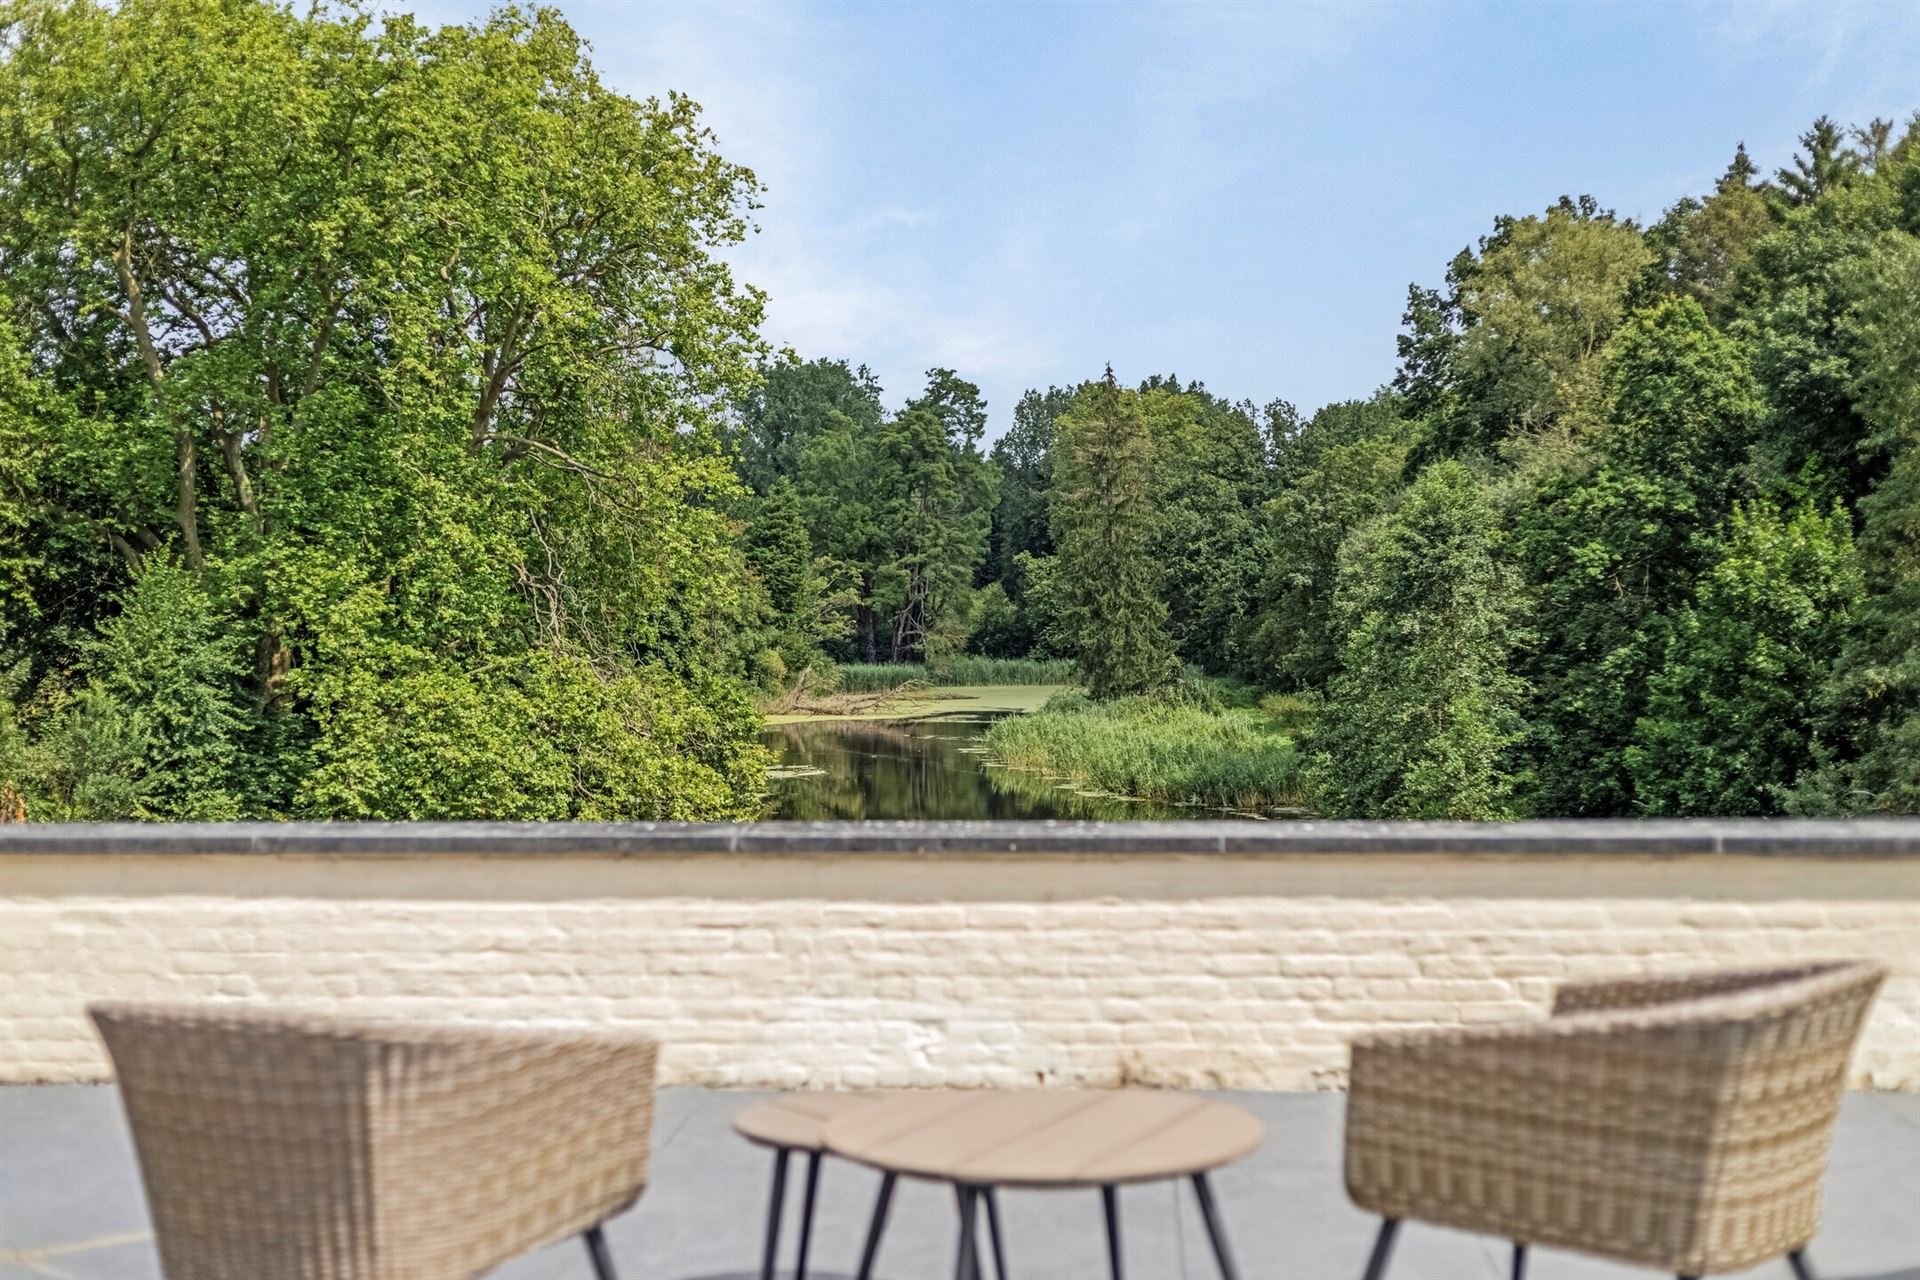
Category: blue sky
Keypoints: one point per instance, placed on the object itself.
(1239, 193)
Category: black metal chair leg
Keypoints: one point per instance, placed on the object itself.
(1116, 1264)
(993, 1232)
(806, 1214)
(1802, 1269)
(966, 1262)
(1382, 1248)
(775, 1203)
(1210, 1215)
(597, 1250)
(1519, 1271)
(876, 1227)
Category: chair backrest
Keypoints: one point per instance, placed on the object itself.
(300, 1147)
(1789, 1038)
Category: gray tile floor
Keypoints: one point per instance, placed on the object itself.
(71, 1209)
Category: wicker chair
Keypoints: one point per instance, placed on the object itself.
(1677, 1122)
(299, 1147)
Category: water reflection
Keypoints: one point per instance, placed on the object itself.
(931, 768)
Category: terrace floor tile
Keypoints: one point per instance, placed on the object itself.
(71, 1208)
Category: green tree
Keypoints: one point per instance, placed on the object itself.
(1111, 615)
(937, 509)
(1023, 457)
(790, 404)
(1826, 161)
(1870, 735)
(905, 503)
(168, 658)
(1804, 284)
(1209, 481)
(1419, 720)
(808, 611)
(1613, 550)
(1731, 711)
(780, 551)
(995, 625)
(1040, 605)
(404, 345)
(1336, 474)
(1704, 247)
(1511, 346)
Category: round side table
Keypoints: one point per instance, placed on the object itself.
(796, 1122)
(1044, 1139)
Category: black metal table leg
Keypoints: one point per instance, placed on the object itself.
(993, 1232)
(597, 1250)
(878, 1225)
(966, 1263)
(806, 1214)
(1110, 1200)
(1210, 1214)
(1519, 1268)
(776, 1202)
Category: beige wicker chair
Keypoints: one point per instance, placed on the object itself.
(284, 1146)
(1678, 1122)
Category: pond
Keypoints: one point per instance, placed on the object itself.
(935, 767)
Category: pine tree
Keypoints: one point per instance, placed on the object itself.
(168, 660)
(780, 552)
(1103, 526)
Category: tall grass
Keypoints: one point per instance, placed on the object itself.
(875, 677)
(972, 669)
(1157, 748)
(967, 669)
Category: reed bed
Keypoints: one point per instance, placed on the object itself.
(1160, 748)
(967, 669)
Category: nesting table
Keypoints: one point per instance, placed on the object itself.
(982, 1140)
(797, 1122)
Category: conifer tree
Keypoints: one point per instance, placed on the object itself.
(1103, 527)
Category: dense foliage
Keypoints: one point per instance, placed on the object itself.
(899, 506)
(357, 454)
(1636, 529)
(1423, 707)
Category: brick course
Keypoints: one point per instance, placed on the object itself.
(825, 970)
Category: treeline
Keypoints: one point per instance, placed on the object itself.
(382, 434)
(1635, 529)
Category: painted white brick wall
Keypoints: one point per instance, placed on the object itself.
(866, 970)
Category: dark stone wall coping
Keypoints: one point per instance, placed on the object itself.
(1879, 838)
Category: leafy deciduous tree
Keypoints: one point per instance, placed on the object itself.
(1420, 718)
(1731, 710)
(404, 344)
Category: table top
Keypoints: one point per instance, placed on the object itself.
(798, 1120)
(1043, 1137)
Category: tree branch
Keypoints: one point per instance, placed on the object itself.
(184, 513)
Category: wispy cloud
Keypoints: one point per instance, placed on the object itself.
(1236, 190)
(1865, 52)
